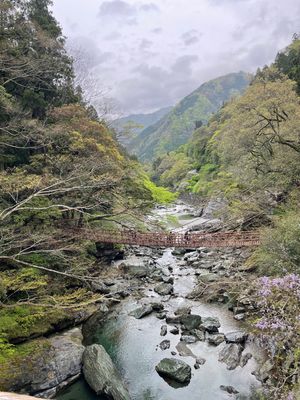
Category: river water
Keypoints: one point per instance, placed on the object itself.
(133, 346)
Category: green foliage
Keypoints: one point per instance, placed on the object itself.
(159, 194)
(288, 61)
(280, 249)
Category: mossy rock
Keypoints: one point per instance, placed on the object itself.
(20, 323)
(14, 360)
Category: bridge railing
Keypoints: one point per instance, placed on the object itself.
(171, 239)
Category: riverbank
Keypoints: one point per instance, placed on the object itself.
(161, 281)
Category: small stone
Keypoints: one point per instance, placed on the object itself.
(210, 324)
(200, 361)
(163, 330)
(157, 306)
(229, 389)
(183, 310)
(161, 315)
(239, 317)
(174, 331)
(141, 312)
(196, 366)
(165, 345)
(215, 339)
(173, 353)
(164, 289)
(236, 337)
(199, 334)
(188, 339)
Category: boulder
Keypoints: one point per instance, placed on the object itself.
(164, 289)
(101, 374)
(183, 310)
(53, 363)
(165, 345)
(200, 335)
(175, 330)
(191, 321)
(208, 278)
(245, 358)
(200, 361)
(163, 330)
(231, 355)
(135, 268)
(142, 311)
(229, 389)
(210, 324)
(188, 339)
(236, 337)
(176, 370)
(264, 371)
(157, 306)
(215, 339)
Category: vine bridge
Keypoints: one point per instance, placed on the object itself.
(172, 239)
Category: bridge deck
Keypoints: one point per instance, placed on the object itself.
(162, 239)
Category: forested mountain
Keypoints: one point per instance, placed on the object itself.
(175, 128)
(129, 127)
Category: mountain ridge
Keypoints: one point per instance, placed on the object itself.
(176, 127)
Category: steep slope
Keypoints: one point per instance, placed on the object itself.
(134, 124)
(175, 128)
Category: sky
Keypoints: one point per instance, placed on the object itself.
(149, 54)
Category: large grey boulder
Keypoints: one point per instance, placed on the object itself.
(142, 311)
(55, 363)
(231, 355)
(215, 339)
(210, 324)
(135, 268)
(164, 289)
(176, 370)
(236, 337)
(101, 374)
(191, 321)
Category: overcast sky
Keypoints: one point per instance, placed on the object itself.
(151, 53)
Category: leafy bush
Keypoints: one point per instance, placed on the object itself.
(278, 300)
(279, 252)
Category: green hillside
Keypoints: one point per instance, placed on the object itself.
(177, 126)
(132, 125)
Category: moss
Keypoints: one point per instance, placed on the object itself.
(21, 322)
(15, 359)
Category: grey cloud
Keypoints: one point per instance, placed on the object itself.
(191, 37)
(184, 64)
(154, 86)
(145, 44)
(149, 7)
(84, 50)
(222, 2)
(157, 31)
(113, 36)
(116, 8)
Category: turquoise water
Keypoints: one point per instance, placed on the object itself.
(79, 390)
(132, 344)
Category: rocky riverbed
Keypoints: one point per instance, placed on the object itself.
(168, 330)
(165, 340)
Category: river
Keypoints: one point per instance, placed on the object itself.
(133, 343)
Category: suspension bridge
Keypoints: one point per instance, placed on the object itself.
(189, 240)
